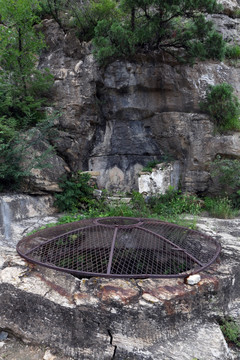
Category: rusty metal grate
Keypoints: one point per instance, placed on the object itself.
(121, 247)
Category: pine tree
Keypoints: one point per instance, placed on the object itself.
(178, 27)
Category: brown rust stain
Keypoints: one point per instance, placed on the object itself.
(181, 297)
(169, 307)
(165, 292)
(109, 292)
(60, 290)
(81, 296)
(209, 281)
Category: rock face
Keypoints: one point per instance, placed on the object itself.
(151, 108)
(124, 319)
(74, 94)
(115, 120)
(20, 214)
(159, 180)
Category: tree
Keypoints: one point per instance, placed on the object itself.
(23, 88)
(178, 27)
(87, 15)
(56, 9)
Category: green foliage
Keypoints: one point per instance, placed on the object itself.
(87, 16)
(160, 25)
(23, 89)
(227, 171)
(77, 196)
(76, 193)
(236, 13)
(111, 41)
(220, 207)
(231, 331)
(19, 112)
(14, 152)
(174, 203)
(123, 28)
(233, 52)
(222, 106)
(19, 40)
(150, 165)
(11, 173)
(56, 9)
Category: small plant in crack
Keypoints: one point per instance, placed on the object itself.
(231, 331)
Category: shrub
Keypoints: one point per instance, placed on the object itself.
(23, 89)
(236, 13)
(232, 52)
(220, 207)
(174, 203)
(112, 40)
(76, 193)
(56, 9)
(222, 106)
(228, 172)
(86, 17)
(173, 26)
(14, 152)
(150, 165)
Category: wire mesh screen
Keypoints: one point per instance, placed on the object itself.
(121, 247)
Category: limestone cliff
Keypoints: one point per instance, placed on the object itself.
(116, 119)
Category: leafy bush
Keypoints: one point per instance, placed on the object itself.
(232, 52)
(222, 106)
(23, 89)
(150, 165)
(19, 111)
(122, 28)
(227, 171)
(14, 152)
(220, 207)
(56, 9)
(86, 17)
(76, 193)
(174, 203)
(112, 40)
(166, 27)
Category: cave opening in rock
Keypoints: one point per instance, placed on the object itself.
(121, 247)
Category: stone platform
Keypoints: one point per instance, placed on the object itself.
(124, 319)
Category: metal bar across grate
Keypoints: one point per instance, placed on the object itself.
(121, 247)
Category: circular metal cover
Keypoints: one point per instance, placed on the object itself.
(121, 247)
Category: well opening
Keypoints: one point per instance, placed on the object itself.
(121, 247)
